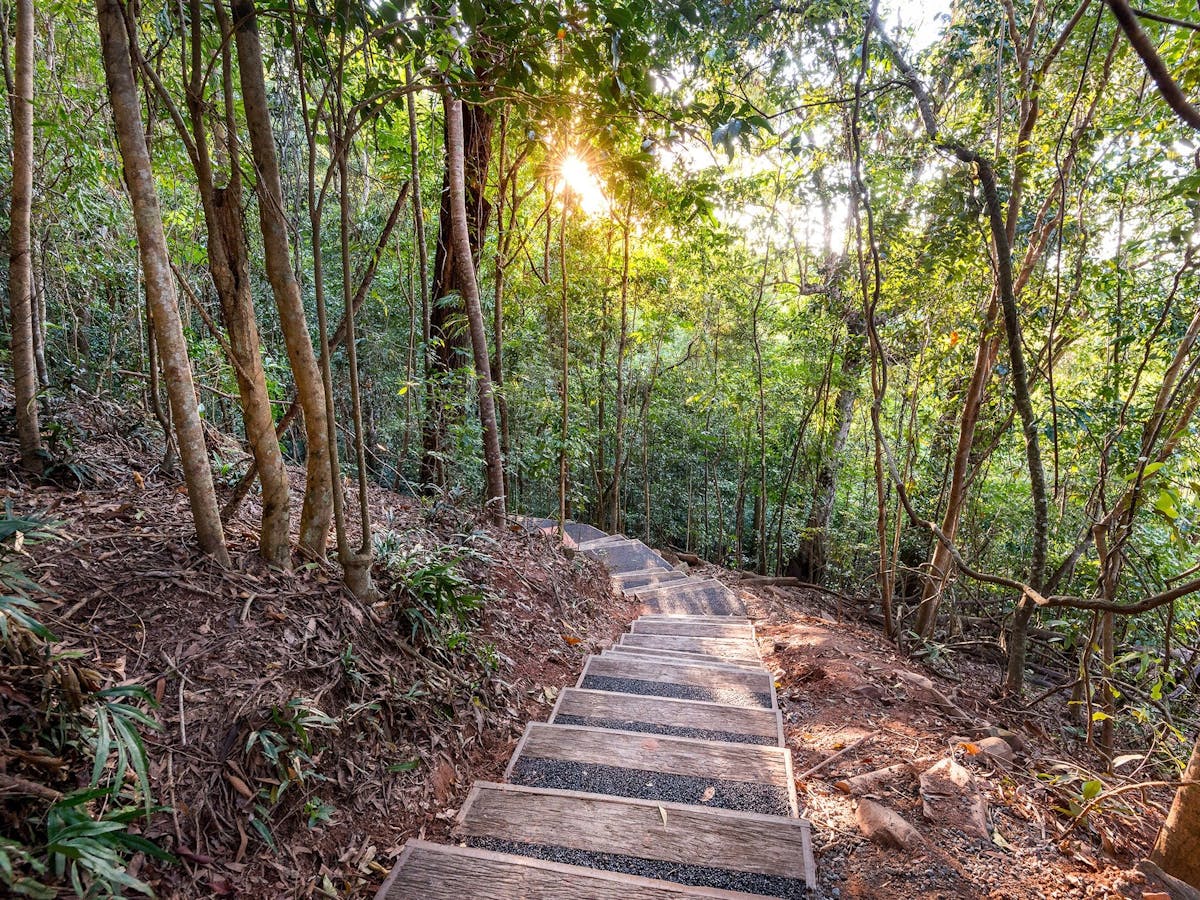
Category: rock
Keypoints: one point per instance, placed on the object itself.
(1011, 738)
(867, 782)
(886, 827)
(996, 748)
(950, 798)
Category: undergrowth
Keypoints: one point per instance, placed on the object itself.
(73, 763)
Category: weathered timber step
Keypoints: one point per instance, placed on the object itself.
(702, 602)
(581, 532)
(662, 715)
(600, 542)
(628, 581)
(656, 677)
(735, 648)
(675, 842)
(746, 777)
(674, 587)
(708, 628)
(428, 871)
(694, 617)
(627, 556)
(680, 656)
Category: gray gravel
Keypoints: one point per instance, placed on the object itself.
(680, 873)
(643, 784)
(734, 696)
(706, 734)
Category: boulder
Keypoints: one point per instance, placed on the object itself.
(996, 748)
(869, 782)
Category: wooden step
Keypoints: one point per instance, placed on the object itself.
(748, 777)
(762, 726)
(647, 577)
(581, 532)
(673, 587)
(600, 542)
(680, 656)
(694, 617)
(749, 687)
(427, 871)
(738, 648)
(709, 628)
(627, 556)
(673, 833)
(702, 602)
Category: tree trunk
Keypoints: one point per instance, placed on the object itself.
(38, 293)
(318, 501)
(614, 509)
(160, 286)
(469, 286)
(228, 264)
(1177, 849)
(563, 374)
(20, 247)
(448, 341)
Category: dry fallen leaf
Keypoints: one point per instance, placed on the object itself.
(571, 640)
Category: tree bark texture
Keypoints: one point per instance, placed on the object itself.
(159, 283)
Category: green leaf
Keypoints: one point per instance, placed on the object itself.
(1091, 789)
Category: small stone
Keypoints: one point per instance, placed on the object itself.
(886, 827)
(997, 748)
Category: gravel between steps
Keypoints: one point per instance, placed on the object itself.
(680, 873)
(733, 696)
(706, 734)
(643, 784)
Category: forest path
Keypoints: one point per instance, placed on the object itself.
(663, 773)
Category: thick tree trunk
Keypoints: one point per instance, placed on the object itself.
(469, 286)
(228, 264)
(318, 500)
(160, 286)
(1177, 849)
(20, 247)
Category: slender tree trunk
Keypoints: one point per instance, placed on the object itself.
(160, 286)
(37, 261)
(1177, 849)
(318, 500)
(448, 342)
(229, 266)
(563, 395)
(356, 564)
(20, 247)
(465, 264)
(614, 498)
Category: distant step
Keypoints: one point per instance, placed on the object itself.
(428, 871)
(581, 532)
(681, 625)
(660, 715)
(679, 656)
(654, 677)
(744, 777)
(734, 648)
(669, 841)
(626, 556)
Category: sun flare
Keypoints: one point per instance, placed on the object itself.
(577, 178)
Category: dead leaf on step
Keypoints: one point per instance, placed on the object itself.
(662, 812)
(709, 793)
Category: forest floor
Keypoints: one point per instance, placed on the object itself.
(246, 656)
(852, 704)
(242, 657)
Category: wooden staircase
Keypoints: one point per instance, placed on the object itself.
(661, 774)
